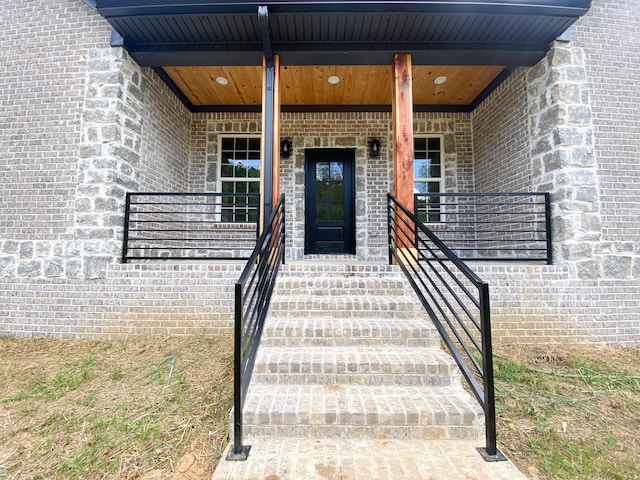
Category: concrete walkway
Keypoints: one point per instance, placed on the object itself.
(367, 459)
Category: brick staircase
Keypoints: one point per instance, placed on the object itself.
(348, 352)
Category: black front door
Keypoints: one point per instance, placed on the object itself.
(329, 201)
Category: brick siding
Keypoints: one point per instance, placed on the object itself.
(83, 124)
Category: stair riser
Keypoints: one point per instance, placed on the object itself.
(364, 431)
(355, 379)
(337, 291)
(347, 341)
(280, 312)
(339, 286)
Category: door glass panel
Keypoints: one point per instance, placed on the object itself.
(330, 191)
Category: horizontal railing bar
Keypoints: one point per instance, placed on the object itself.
(482, 194)
(507, 239)
(208, 249)
(189, 222)
(498, 249)
(478, 222)
(192, 194)
(197, 222)
(129, 257)
(476, 204)
(239, 208)
(156, 239)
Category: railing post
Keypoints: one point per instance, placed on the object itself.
(490, 453)
(125, 236)
(284, 230)
(389, 229)
(237, 450)
(547, 216)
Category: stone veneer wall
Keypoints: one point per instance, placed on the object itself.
(82, 124)
(573, 145)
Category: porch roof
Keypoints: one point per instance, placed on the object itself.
(336, 32)
(184, 41)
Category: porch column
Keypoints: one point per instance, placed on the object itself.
(402, 113)
(275, 189)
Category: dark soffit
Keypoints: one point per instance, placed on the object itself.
(498, 32)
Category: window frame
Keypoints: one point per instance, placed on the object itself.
(426, 180)
(221, 179)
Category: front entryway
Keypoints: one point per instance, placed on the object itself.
(329, 201)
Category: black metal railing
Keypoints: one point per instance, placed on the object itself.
(490, 226)
(190, 226)
(252, 296)
(457, 301)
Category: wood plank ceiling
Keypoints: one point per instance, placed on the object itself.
(309, 85)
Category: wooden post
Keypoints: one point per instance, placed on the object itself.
(402, 112)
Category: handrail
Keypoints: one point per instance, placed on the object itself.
(190, 226)
(457, 302)
(252, 296)
(505, 226)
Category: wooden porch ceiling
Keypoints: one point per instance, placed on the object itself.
(309, 85)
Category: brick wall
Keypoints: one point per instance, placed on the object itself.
(501, 160)
(568, 125)
(166, 140)
(41, 99)
(610, 37)
(129, 300)
(337, 130)
(83, 124)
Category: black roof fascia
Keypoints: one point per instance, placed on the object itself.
(194, 58)
(123, 8)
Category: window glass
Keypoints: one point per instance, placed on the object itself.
(427, 178)
(240, 174)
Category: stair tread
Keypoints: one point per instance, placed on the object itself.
(375, 405)
(357, 356)
(374, 326)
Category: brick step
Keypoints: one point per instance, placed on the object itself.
(314, 330)
(345, 306)
(343, 270)
(361, 411)
(355, 366)
(333, 286)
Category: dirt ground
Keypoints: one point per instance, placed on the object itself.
(149, 408)
(156, 408)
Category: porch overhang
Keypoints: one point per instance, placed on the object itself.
(333, 32)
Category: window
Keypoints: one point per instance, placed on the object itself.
(427, 178)
(240, 174)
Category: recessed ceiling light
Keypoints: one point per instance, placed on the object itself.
(333, 79)
(440, 80)
(222, 80)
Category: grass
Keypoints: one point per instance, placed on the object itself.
(157, 407)
(570, 412)
(76, 409)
